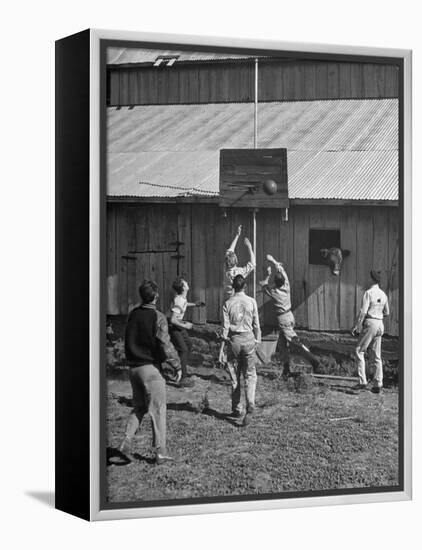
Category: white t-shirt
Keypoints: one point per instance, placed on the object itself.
(178, 307)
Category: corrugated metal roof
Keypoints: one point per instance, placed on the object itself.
(337, 149)
(123, 56)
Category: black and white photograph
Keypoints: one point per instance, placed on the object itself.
(253, 317)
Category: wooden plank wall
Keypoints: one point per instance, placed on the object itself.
(234, 82)
(321, 301)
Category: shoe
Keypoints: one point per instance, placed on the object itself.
(376, 390)
(235, 414)
(248, 418)
(186, 383)
(163, 459)
(360, 387)
(125, 447)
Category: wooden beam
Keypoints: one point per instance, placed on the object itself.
(216, 199)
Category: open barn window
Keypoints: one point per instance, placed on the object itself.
(319, 239)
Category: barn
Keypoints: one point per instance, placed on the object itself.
(170, 113)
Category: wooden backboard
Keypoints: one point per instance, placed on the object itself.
(243, 173)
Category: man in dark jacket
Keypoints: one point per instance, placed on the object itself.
(147, 346)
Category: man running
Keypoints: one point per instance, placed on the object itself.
(147, 346)
(370, 326)
(230, 264)
(241, 328)
(280, 297)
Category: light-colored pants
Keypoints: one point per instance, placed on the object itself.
(371, 336)
(149, 396)
(243, 362)
(286, 325)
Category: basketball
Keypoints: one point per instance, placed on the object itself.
(270, 187)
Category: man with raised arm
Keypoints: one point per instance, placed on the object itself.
(242, 329)
(370, 326)
(231, 269)
(280, 297)
(147, 346)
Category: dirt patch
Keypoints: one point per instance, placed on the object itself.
(308, 434)
(303, 438)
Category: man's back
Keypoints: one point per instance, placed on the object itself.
(241, 314)
(140, 337)
(377, 302)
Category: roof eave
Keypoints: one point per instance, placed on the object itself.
(215, 200)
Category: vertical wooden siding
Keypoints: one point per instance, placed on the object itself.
(321, 301)
(234, 82)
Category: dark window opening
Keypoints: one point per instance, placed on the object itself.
(319, 239)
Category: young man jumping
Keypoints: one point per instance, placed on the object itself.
(230, 264)
(147, 346)
(280, 297)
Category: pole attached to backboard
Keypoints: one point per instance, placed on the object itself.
(255, 135)
(255, 144)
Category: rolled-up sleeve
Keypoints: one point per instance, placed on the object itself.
(162, 334)
(255, 322)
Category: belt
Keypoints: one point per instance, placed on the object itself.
(287, 311)
(373, 318)
(240, 333)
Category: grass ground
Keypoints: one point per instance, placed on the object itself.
(306, 436)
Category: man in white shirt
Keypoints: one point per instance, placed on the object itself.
(231, 269)
(241, 327)
(178, 327)
(370, 326)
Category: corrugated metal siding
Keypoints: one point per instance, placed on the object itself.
(337, 149)
(122, 56)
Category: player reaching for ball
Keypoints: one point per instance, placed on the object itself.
(280, 297)
(231, 269)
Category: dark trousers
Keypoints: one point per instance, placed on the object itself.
(182, 342)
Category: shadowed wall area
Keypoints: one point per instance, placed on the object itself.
(165, 240)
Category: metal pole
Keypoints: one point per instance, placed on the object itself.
(255, 144)
(254, 250)
(255, 137)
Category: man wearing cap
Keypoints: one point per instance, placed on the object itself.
(231, 267)
(241, 327)
(370, 326)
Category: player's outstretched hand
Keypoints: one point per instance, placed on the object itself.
(269, 271)
(200, 304)
(239, 231)
(270, 258)
(188, 325)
